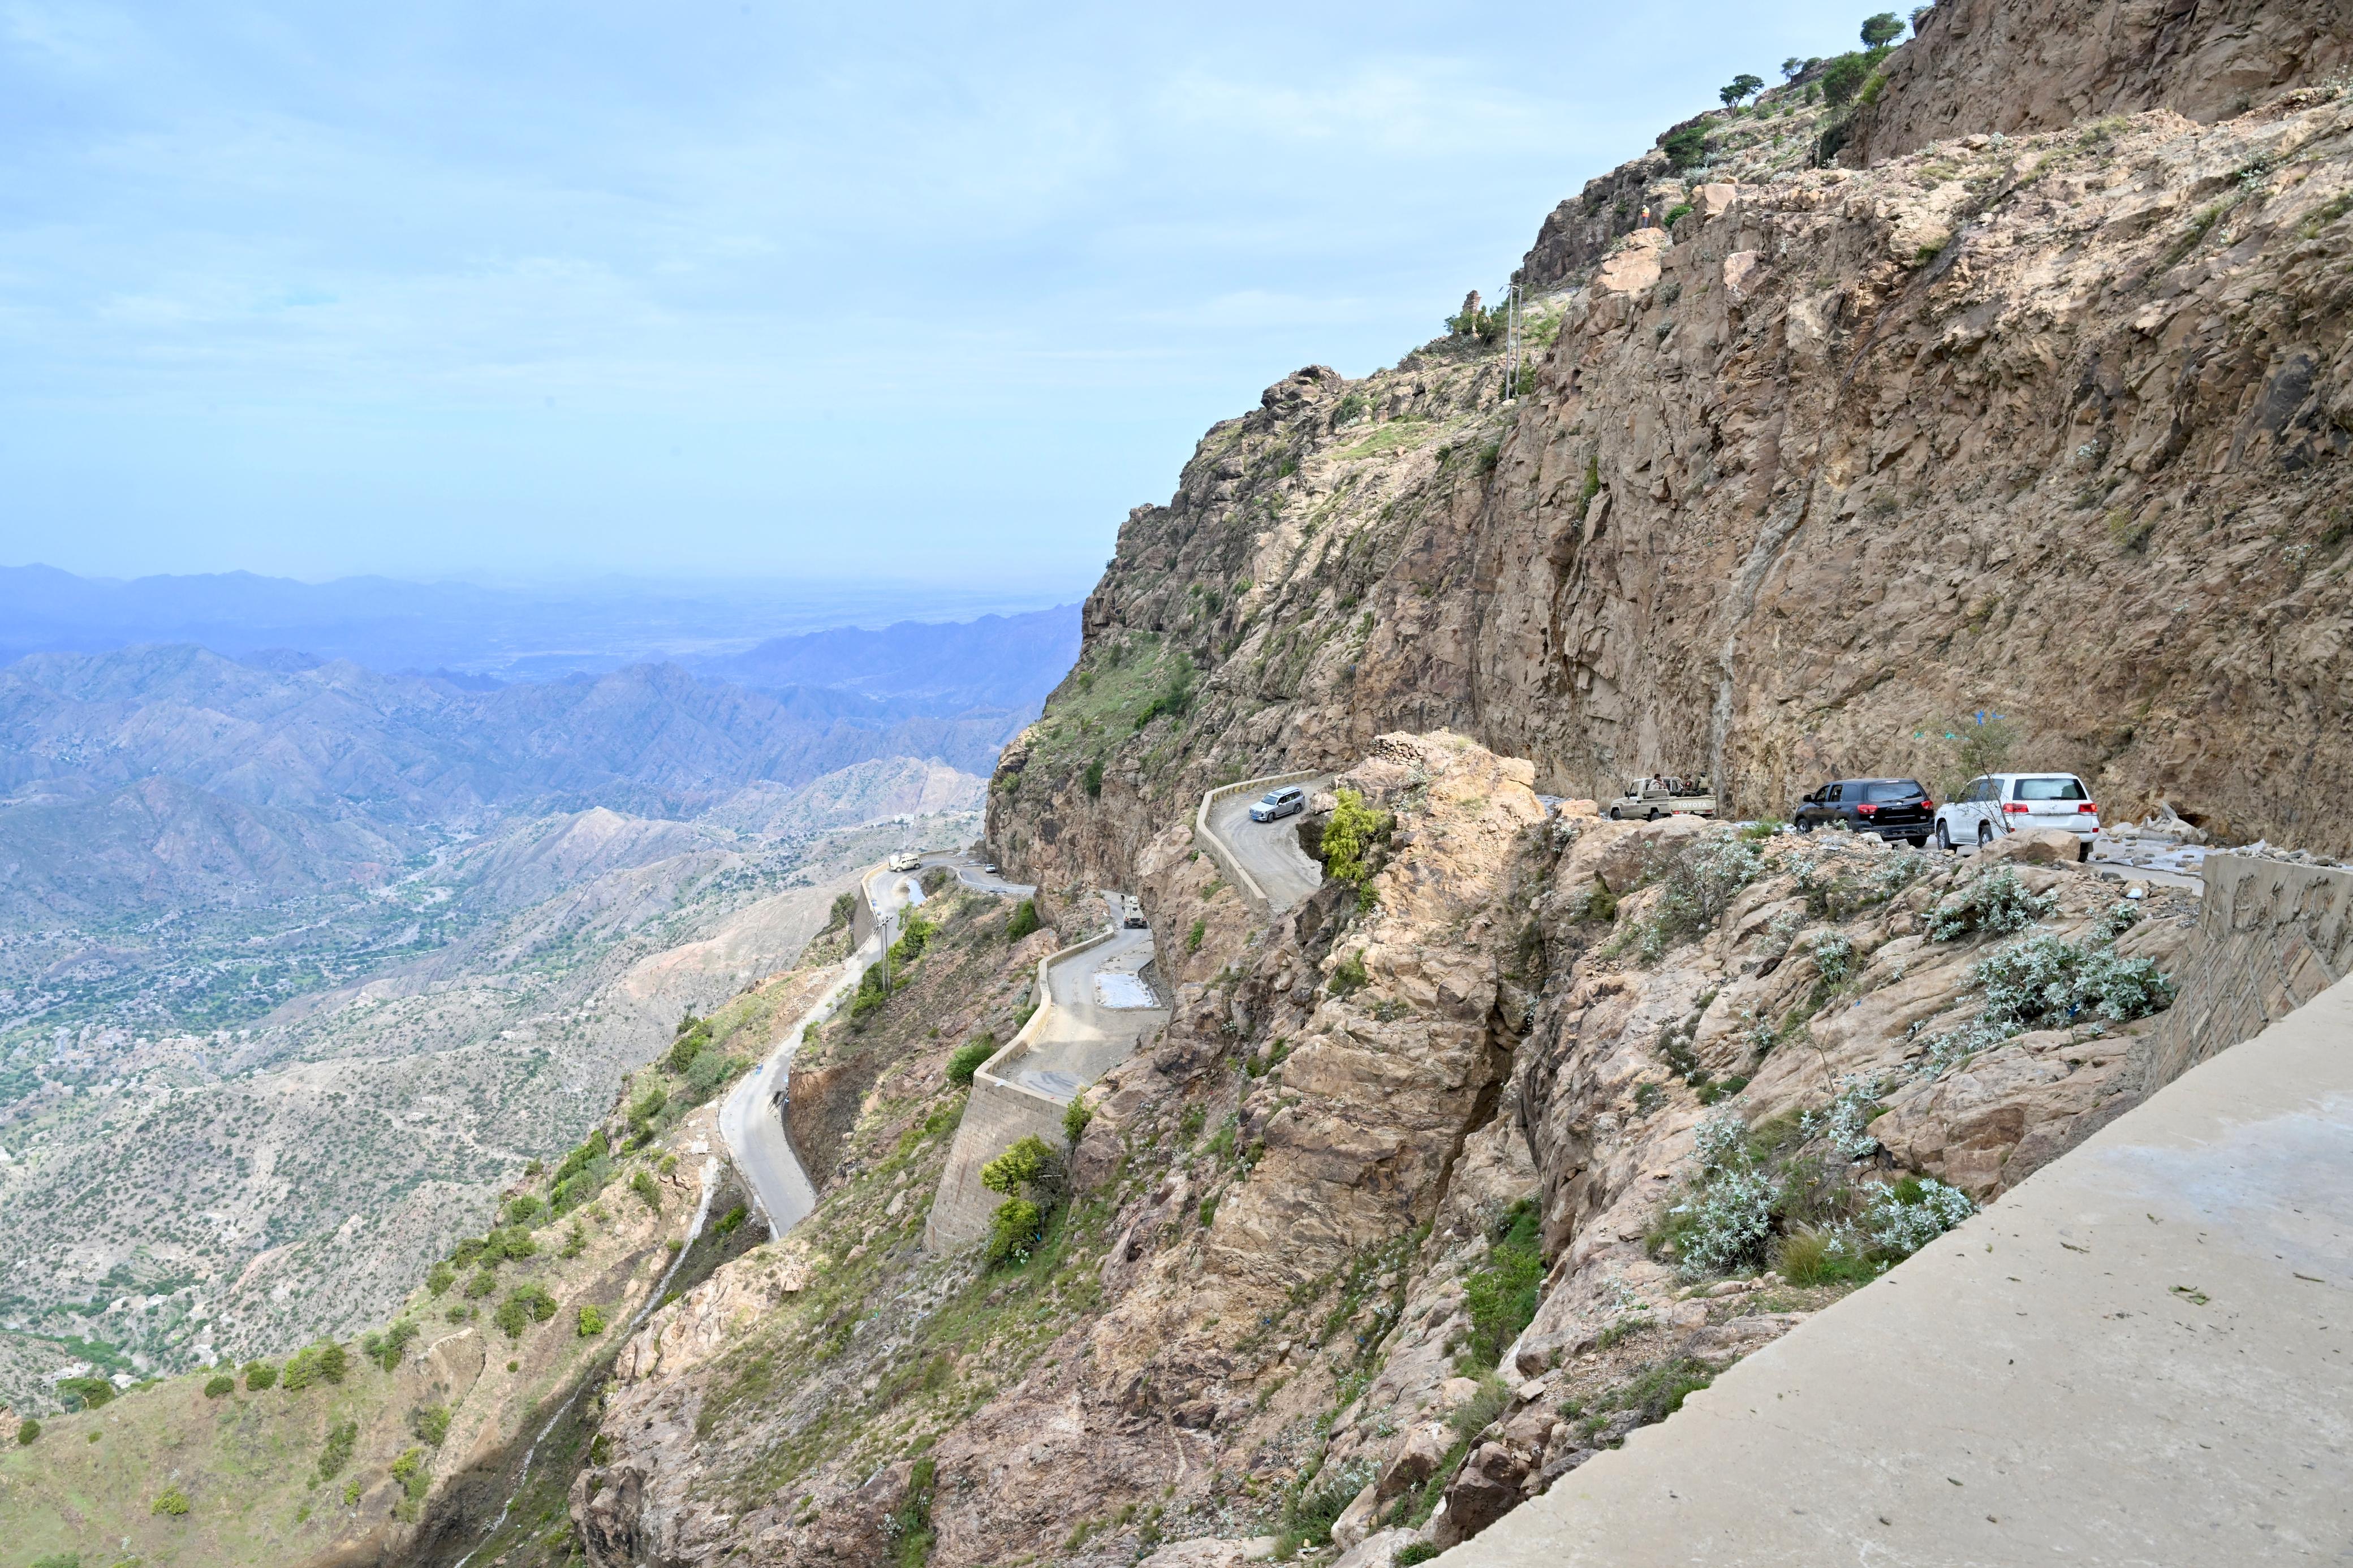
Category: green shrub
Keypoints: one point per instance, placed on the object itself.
(1809, 1255)
(1660, 1392)
(524, 1305)
(1679, 211)
(1023, 921)
(58, 1560)
(1093, 778)
(337, 1452)
(1075, 1117)
(968, 1057)
(575, 1242)
(524, 1208)
(592, 1321)
(1725, 1215)
(581, 1175)
(1685, 147)
(219, 1385)
(1843, 78)
(1194, 938)
(430, 1423)
(641, 1181)
(439, 1277)
(483, 1283)
(730, 1222)
(1476, 1414)
(1501, 1295)
(28, 1432)
(1882, 30)
(1699, 888)
(1414, 1551)
(688, 1045)
(387, 1348)
(1348, 975)
(325, 1362)
(911, 1522)
(174, 1502)
(1014, 1229)
(84, 1392)
(1600, 906)
(1351, 839)
(1996, 904)
(1315, 1504)
(259, 1375)
(409, 1471)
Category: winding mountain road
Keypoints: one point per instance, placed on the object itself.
(1086, 1034)
(752, 1118)
(1270, 851)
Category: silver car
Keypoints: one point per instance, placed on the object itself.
(1277, 803)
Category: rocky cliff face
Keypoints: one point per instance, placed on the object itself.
(2051, 427)
(2017, 66)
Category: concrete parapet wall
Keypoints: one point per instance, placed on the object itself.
(2271, 935)
(999, 1114)
(1228, 864)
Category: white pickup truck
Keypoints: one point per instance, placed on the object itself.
(1667, 795)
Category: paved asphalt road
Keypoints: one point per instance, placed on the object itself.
(1270, 851)
(752, 1118)
(968, 871)
(1082, 1039)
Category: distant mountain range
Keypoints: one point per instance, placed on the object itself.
(462, 629)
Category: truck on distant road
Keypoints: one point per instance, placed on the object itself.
(906, 860)
(1665, 795)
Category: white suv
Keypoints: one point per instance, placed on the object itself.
(1996, 803)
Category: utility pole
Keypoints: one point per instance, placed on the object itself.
(887, 922)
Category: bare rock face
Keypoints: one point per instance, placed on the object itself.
(2024, 66)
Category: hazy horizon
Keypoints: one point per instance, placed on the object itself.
(744, 292)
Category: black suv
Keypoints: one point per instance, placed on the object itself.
(1893, 808)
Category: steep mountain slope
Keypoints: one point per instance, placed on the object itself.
(2051, 427)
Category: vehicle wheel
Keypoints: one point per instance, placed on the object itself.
(1921, 842)
(1985, 833)
(1944, 840)
(1805, 825)
(1653, 816)
(1614, 815)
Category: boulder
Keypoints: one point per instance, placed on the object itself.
(1416, 1459)
(2039, 846)
(1486, 1489)
(1377, 1551)
(1356, 1520)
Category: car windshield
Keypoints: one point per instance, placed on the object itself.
(1893, 789)
(2052, 789)
(1269, 800)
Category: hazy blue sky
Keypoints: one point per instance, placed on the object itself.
(517, 289)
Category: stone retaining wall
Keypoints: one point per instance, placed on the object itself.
(999, 1114)
(2271, 935)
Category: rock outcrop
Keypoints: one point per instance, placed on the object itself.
(2024, 66)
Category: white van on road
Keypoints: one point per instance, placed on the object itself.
(1995, 803)
(906, 860)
